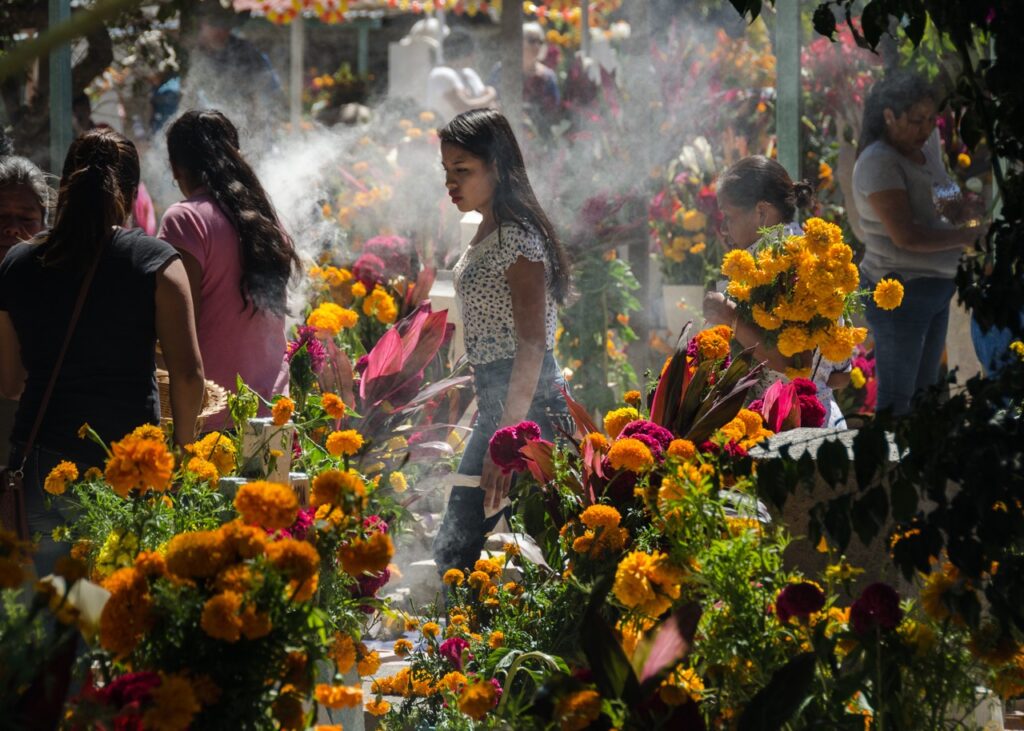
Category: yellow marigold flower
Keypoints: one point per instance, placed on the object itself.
(577, 711)
(597, 440)
(694, 221)
(402, 647)
(842, 571)
(338, 696)
(738, 291)
(431, 629)
(479, 579)
(739, 265)
(792, 340)
(857, 379)
(333, 405)
(821, 233)
(143, 464)
(343, 652)
(358, 289)
(765, 319)
(127, 615)
(1017, 348)
(334, 487)
(739, 526)
(83, 430)
(615, 421)
(370, 555)
(682, 685)
(282, 410)
(496, 639)
(963, 160)
(57, 481)
(477, 699)
(377, 707)
(369, 663)
(346, 442)
(381, 305)
(330, 319)
(398, 482)
(173, 704)
(630, 454)
(888, 294)
(794, 373)
(268, 504)
(647, 582)
(933, 593)
(454, 577)
(682, 449)
(216, 448)
(452, 682)
(203, 469)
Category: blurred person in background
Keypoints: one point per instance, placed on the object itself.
(542, 99)
(454, 87)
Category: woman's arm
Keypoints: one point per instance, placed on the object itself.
(176, 331)
(893, 209)
(194, 270)
(718, 310)
(461, 98)
(12, 371)
(529, 298)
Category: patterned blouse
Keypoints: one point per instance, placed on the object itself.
(484, 297)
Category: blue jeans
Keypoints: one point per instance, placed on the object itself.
(44, 512)
(909, 340)
(464, 529)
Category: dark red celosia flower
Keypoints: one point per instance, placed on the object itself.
(812, 412)
(369, 269)
(506, 443)
(798, 600)
(877, 606)
(804, 387)
(451, 650)
(648, 428)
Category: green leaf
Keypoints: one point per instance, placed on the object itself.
(774, 481)
(775, 704)
(870, 450)
(916, 23)
(825, 21)
(869, 514)
(833, 462)
(837, 520)
(903, 496)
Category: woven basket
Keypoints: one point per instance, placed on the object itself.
(215, 399)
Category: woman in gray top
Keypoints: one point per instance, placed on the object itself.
(906, 237)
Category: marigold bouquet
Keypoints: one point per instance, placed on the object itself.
(802, 290)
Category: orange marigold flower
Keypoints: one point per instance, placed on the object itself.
(339, 696)
(255, 624)
(682, 449)
(203, 469)
(346, 442)
(477, 699)
(172, 705)
(199, 554)
(57, 481)
(378, 707)
(150, 563)
(630, 454)
(282, 410)
(888, 294)
(333, 405)
(268, 504)
(216, 448)
(577, 711)
(402, 647)
(453, 576)
(344, 489)
(647, 582)
(615, 421)
(597, 440)
(149, 431)
(496, 639)
(632, 398)
(135, 463)
(128, 613)
(370, 555)
(343, 652)
(220, 618)
(369, 663)
(299, 561)
(430, 629)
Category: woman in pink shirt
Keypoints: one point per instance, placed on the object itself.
(238, 257)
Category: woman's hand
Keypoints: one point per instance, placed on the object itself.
(494, 484)
(718, 310)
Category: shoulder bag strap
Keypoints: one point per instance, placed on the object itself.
(79, 303)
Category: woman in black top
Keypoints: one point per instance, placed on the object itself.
(139, 294)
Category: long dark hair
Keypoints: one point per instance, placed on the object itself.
(97, 192)
(204, 145)
(898, 92)
(486, 134)
(757, 178)
(21, 172)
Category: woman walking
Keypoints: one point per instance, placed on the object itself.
(508, 284)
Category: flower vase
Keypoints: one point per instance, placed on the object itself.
(267, 450)
(683, 303)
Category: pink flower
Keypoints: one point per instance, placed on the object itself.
(306, 338)
(877, 606)
(452, 649)
(369, 269)
(367, 587)
(375, 524)
(506, 443)
(298, 529)
(798, 600)
(661, 436)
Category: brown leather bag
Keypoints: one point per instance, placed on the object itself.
(12, 479)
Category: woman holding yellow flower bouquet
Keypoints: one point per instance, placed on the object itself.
(753, 194)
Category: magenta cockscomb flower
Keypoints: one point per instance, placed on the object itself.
(506, 443)
(306, 338)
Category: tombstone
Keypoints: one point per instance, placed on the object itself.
(411, 59)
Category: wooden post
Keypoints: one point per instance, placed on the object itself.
(512, 63)
(787, 85)
(60, 88)
(363, 49)
(297, 54)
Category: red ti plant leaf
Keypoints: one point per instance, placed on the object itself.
(538, 459)
(584, 424)
(402, 353)
(672, 642)
(419, 291)
(781, 407)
